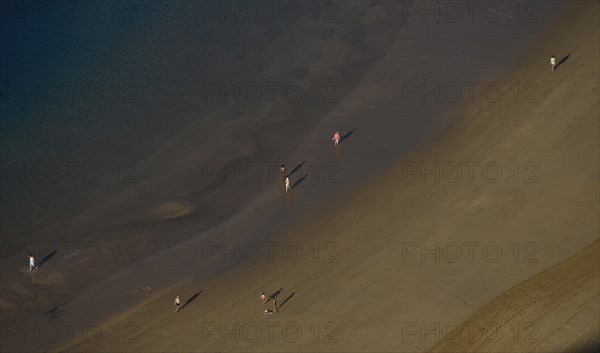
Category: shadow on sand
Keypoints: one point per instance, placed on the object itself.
(286, 300)
(191, 299)
(274, 295)
(45, 259)
(562, 61)
(296, 168)
(347, 135)
(299, 181)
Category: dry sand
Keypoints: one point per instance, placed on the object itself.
(367, 279)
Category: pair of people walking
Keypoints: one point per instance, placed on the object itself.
(285, 178)
(282, 171)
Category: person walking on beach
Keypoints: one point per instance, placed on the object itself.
(32, 265)
(282, 172)
(263, 298)
(287, 185)
(336, 138)
(552, 62)
(177, 303)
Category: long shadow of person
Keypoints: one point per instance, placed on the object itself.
(347, 135)
(296, 168)
(45, 259)
(56, 312)
(562, 61)
(299, 181)
(274, 295)
(286, 300)
(191, 299)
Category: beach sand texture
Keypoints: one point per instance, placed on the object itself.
(372, 294)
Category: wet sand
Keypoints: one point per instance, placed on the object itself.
(171, 197)
(364, 281)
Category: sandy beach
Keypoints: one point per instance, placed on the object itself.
(435, 226)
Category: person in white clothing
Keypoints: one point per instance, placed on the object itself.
(32, 265)
(553, 62)
(287, 185)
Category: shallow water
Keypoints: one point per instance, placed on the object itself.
(94, 91)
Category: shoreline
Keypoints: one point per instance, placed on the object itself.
(298, 204)
(116, 226)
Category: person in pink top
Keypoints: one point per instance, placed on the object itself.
(336, 138)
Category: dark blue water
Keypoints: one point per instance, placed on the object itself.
(108, 83)
(47, 45)
(96, 82)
